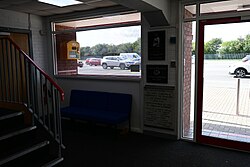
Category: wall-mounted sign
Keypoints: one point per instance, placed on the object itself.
(157, 74)
(73, 50)
(159, 107)
(156, 45)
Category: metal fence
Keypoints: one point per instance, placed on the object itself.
(225, 56)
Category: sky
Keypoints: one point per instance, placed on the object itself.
(110, 36)
(121, 35)
(226, 32)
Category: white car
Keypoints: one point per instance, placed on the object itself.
(130, 56)
(116, 61)
(241, 69)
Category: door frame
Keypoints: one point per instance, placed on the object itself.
(199, 137)
(21, 31)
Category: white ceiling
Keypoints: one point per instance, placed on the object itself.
(132, 17)
(42, 9)
(214, 7)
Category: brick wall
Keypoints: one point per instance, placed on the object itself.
(64, 65)
(187, 74)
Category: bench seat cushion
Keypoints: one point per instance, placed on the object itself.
(96, 115)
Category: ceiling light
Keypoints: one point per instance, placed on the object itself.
(60, 3)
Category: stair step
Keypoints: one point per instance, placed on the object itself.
(11, 115)
(11, 121)
(17, 139)
(22, 153)
(6, 112)
(53, 162)
(15, 133)
(22, 145)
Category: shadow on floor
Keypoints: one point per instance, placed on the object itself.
(98, 146)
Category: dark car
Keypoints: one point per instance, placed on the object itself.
(94, 61)
(80, 63)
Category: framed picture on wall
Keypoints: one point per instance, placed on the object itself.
(157, 74)
(156, 45)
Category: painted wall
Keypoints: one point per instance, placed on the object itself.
(162, 5)
(129, 87)
(11, 19)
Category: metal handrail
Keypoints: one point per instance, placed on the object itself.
(38, 68)
(23, 81)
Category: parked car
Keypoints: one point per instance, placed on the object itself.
(137, 61)
(87, 61)
(80, 63)
(130, 56)
(94, 61)
(241, 69)
(116, 61)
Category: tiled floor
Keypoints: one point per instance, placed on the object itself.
(220, 116)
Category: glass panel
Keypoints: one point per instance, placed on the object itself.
(94, 47)
(111, 51)
(226, 91)
(189, 11)
(188, 79)
(224, 7)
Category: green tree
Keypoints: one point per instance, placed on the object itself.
(125, 48)
(212, 46)
(85, 51)
(137, 46)
(193, 48)
(100, 49)
(235, 46)
(246, 47)
(225, 47)
(106, 49)
(112, 49)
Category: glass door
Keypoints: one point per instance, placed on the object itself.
(223, 117)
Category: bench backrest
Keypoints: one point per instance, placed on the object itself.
(116, 102)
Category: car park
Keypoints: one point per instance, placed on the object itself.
(116, 61)
(241, 69)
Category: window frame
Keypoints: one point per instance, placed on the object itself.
(88, 28)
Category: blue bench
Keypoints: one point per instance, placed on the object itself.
(99, 107)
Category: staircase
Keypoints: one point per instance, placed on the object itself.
(30, 121)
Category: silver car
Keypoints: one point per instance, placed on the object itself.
(116, 61)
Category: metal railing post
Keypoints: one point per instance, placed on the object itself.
(27, 83)
(238, 97)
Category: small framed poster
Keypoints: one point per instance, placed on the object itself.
(157, 74)
(156, 45)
